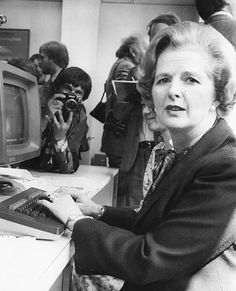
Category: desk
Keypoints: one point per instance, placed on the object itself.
(27, 264)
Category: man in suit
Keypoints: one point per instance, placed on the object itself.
(54, 57)
(216, 13)
(160, 22)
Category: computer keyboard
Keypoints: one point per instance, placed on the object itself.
(21, 215)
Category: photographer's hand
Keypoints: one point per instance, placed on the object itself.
(55, 105)
(60, 126)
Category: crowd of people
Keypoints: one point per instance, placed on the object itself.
(174, 225)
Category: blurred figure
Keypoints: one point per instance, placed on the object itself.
(162, 140)
(129, 55)
(24, 65)
(37, 61)
(216, 13)
(120, 140)
(54, 58)
(160, 22)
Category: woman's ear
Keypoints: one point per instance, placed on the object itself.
(132, 51)
(214, 105)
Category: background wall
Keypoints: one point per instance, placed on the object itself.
(92, 31)
(43, 18)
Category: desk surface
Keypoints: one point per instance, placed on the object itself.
(30, 264)
(92, 178)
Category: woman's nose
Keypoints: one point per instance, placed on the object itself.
(147, 109)
(175, 89)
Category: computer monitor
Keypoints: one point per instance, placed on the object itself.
(20, 116)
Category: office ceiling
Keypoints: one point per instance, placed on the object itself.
(163, 2)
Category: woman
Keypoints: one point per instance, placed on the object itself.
(183, 237)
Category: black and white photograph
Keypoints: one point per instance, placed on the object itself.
(117, 145)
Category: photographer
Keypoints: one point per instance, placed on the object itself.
(64, 127)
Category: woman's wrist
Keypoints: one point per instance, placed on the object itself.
(73, 219)
(100, 212)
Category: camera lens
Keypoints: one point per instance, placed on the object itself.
(71, 105)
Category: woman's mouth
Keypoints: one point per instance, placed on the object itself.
(174, 108)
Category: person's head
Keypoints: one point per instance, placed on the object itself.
(54, 55)
(133, 47)
(150, 117)
(24, 65)
(74, 80)
(37, 61)
(160, 22)
(206, 8)
(190, 74)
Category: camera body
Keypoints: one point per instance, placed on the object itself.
(71, 102)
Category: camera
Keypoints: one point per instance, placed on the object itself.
(71, 102)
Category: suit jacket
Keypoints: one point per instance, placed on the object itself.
(183, 239)
(225, 24)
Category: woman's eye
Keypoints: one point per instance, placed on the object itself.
(163, 81)
(191, 80)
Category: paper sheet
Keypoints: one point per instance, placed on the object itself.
(13, 173)
(76, 185)
(123, 89)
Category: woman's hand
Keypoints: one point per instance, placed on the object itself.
(87, 206)
(62, 207)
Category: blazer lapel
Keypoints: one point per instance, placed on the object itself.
(209, 143)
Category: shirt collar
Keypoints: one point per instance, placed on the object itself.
(53, 78)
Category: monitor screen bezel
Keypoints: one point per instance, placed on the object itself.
(10, 154)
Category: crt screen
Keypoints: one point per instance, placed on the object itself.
(16, 112)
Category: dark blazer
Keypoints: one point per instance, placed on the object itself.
(226, 25)
(183, 239)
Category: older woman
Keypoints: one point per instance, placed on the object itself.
(183, 237)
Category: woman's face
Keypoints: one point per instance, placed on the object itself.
(150, 117)
(183, 90)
